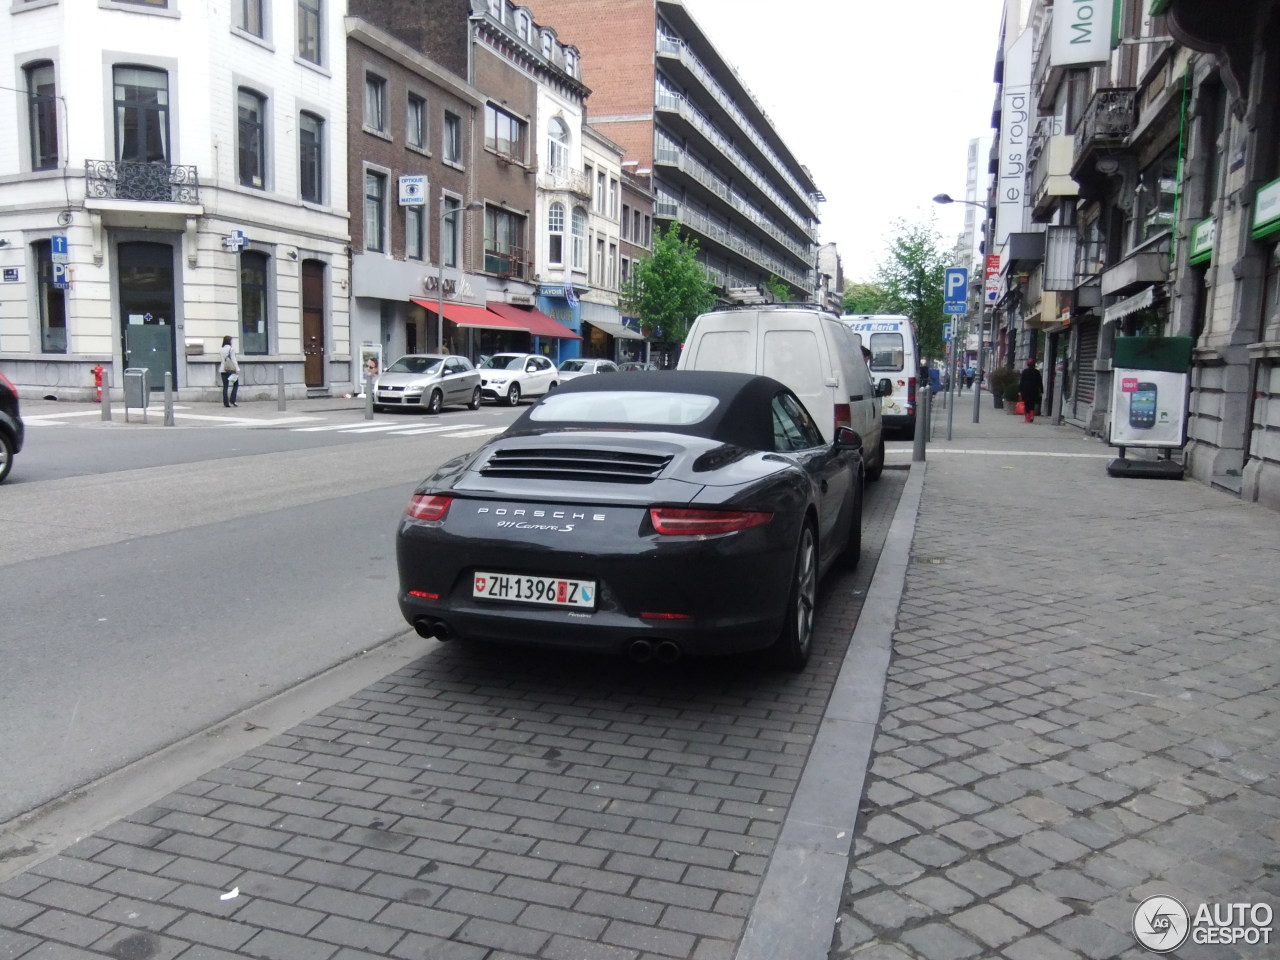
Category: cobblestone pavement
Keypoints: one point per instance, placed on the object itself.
(1081, 710)
(481, 804)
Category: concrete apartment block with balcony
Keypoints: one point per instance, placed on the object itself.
(178, 175)
(662, 90)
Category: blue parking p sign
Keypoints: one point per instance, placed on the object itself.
(955, 285)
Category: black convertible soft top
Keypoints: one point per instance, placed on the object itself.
(741, 415)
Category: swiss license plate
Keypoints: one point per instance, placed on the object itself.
(543, 591)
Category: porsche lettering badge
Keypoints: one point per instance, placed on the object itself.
(519, 518)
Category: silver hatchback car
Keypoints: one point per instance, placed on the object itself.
(427, 381)
(581, 366)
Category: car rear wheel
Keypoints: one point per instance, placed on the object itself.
(6, 455)
(435, 403)
(475, 399)
(513, 395)
(873, 473)
(794, 643)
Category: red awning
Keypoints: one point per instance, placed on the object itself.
(465, 316)
(535, 321)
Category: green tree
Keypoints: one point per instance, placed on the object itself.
(668, 288)
(778, 287)
(911, 278)
(866, 298)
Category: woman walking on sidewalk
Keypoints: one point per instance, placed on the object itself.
(1030, 388)
(230, 372)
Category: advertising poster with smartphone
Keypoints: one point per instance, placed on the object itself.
(1148, 408)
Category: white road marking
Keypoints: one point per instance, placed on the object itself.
(415, 431)
(487, 431)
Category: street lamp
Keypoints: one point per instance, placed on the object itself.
(445, 214)
(982, 323)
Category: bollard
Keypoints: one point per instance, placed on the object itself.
(280, 386)
(922, 426)
(368, 398)
(168, 398)
(106, 393)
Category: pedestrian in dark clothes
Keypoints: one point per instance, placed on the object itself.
(1030, 389)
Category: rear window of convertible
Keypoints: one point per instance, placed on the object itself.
(643, 408)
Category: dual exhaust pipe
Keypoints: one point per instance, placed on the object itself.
(640, 651)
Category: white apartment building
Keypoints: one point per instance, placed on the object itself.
(602, 328)
(178, 175)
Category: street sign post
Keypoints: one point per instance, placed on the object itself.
(955, 309)
(955, 285)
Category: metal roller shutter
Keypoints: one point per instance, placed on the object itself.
(1086, 353)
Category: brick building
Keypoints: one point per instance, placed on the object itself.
(660, 89)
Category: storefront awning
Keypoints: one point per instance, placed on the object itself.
(615, 329)
(1128, 305)
(535, 321)
(469, 317)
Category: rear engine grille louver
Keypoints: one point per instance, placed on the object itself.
(601, 466)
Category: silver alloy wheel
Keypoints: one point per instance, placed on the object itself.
(6, 456)
(436, 402)
(806, 591)
(513, 395)
(475, 399)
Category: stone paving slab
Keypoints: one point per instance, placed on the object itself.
(1082, 710)
(481, 803)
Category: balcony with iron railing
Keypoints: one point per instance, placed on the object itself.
(668, 100)
(1105, 125)
(674, 47)
(511, 262)
(144, 182)
(563, 178)
(729, 239)
(699, 172)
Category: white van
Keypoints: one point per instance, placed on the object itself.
(810, 351)
(895, 356)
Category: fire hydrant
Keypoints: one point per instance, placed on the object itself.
(97, 382)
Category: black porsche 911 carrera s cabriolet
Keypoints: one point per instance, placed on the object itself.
(651, 514)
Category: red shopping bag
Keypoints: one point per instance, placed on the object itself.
(1020, 407)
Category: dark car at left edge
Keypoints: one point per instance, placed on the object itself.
(646, 514)
(11, 428)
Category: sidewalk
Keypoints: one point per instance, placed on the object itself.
(191, 413)
(1080, 709)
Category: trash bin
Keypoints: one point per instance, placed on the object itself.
(136, 391)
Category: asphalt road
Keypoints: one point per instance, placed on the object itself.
(154, 583)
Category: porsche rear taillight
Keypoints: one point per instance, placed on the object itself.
(683, 522)
(424, 506)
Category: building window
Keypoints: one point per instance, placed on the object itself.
(570, 63)
(524, 27)
(311, 158)
(555, 234)
(53, 302)
(375, 103)
(253, 301)
(1157, 195)
(613, 265)
(613, 199)
(503, 133)
(648, 235)
(503, 242)
(452, 137)
(309, 30)
(375, 211)
(626, 270)
(413, 233)
(601, 191)
(626, 222)
(249, 16)
(597, 268)
(557, 146)
(252, 156)
(546, 45)
(579, 238)
(451, 230)
(415, 122)
(142, 114)
(42, 113)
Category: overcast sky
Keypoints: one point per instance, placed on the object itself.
(878, 99)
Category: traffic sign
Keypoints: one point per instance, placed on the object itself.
(952, 309)
(61, 279)
(58, 248)
(955, 284)
(946, 332)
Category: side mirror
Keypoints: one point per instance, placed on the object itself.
(884, 388)
(847, 439)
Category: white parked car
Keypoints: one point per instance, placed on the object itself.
(509, 377)
(581, 366)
